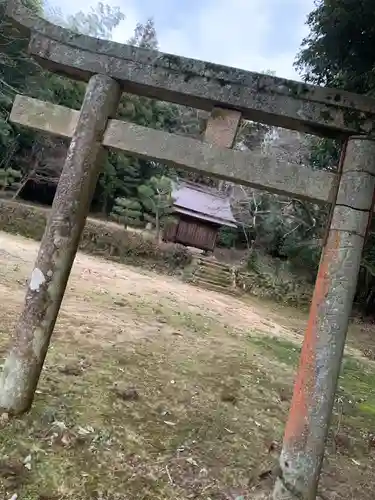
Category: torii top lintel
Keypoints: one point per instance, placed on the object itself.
(199, 84)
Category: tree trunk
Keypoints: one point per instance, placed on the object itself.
(30, 174)
(105, 206)
(157, 225)
(23, 184)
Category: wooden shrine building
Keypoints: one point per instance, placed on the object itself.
(200, 211)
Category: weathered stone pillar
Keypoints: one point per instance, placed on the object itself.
(322, 352)
(221, 129)
(58, 248)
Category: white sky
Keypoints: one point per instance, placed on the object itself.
(256, 35)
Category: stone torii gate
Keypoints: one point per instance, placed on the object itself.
(110, 68)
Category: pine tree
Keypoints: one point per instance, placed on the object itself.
(156, 198)
(120, 178)
(130, 172)
(128, 212)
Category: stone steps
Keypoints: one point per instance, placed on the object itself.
(197, 279)
(214, 264)
(212, 275)
(216, 288)
(209, 273)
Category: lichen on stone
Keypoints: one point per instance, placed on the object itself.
(37, 280)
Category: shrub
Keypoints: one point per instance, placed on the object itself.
(106, 239)
(293, 292)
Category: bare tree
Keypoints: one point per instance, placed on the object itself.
(265, 217)
(43, 164)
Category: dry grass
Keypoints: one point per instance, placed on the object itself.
(153, 389)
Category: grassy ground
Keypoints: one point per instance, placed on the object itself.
(153, 389)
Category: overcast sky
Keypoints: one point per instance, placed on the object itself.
(256, 35)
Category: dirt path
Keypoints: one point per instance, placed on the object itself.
(99, 280)
(92, 275)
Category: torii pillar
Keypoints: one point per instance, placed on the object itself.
(323, 347)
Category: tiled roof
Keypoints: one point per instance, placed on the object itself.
(203, 203)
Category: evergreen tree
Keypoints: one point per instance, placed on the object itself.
(18, 74)
(120, 178)
(339, 52)
(128, 212)
(156, 198)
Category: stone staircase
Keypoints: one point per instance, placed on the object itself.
(213, 275)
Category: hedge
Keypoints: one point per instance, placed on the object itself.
(293, 291)
(108, 240)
